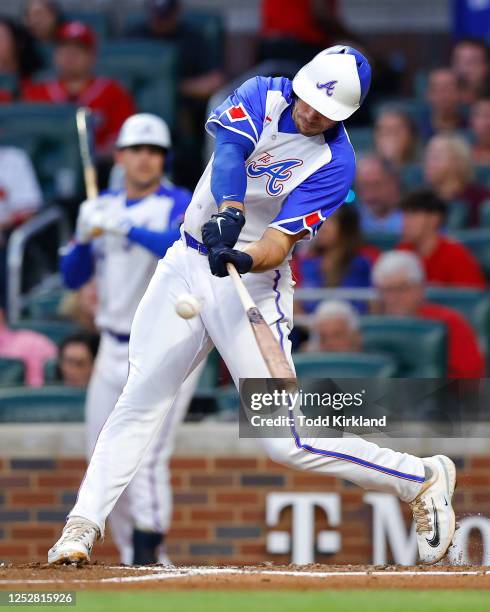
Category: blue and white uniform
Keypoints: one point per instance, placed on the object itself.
(122, 266)
(292, 183)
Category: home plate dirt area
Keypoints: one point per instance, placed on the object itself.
(101, 576)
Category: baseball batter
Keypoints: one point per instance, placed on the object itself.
(282, 164)
(119, 238)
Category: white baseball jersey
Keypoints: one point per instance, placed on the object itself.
(293, 182)
(122, 267)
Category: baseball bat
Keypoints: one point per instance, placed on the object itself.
(89, 172)
(271, 351)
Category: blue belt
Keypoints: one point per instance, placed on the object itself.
(116, 336)
(195, 244)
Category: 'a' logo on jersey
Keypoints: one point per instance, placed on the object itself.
(329, 86)
(277, 173)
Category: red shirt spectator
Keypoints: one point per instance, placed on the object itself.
(110, 103)
(450, 263)
(74, 59)
(464, 357)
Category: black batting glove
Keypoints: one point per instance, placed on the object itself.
(221, 255)
(223, 228)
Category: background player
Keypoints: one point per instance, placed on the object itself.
(283, 163)
(134, 228)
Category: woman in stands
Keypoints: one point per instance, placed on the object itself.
(395, 137)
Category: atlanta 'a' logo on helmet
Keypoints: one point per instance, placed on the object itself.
(329, 86)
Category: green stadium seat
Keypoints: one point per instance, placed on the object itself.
(211, 26)
(412, 176)
(43, 305)
(418, 346)
(47, 132)
(473, 304)
(12, 371)
(343, 365)
(97, 20)
(55, 330)
(148, 69)
(361, 138)
(478, 242)
(457, 215)
(50, 404)
(9, 82)
(209, 377)
(51, 372)
(482, 175)
(485, 214)
(382, 240)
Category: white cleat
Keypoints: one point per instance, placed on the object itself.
(76, 542)
(432, 510)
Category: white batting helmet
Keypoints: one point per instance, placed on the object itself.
(335, 82)
(144, 129)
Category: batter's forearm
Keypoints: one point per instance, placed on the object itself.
(272, 249)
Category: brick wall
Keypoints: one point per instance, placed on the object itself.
(219, 514)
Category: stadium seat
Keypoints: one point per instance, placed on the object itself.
(50, 404)
(148, 69)
(361, 138)
(9, 82)
(485, 214)
(478, 242)
(12, 371)
(457, 215)
(343, 365)
(209, 377)
(97, 20)
(55, 330)
(381, 240)
(482, 175)
(47, 133)
(51, 372)
(43, 305)
(418, 346)
(412, 176)
(473, 304)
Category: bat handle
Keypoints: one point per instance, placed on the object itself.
(242, 291)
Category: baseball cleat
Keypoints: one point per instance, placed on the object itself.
(432, 510)
(76, 542)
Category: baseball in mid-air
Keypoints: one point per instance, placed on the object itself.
(188, 306)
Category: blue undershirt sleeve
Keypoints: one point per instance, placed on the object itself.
(156, 242)
(228, 176)
(77, 265)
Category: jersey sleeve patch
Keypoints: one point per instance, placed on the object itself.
(311, 222)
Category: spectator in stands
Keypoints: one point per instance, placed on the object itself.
(335, 258)
(18, 55)
(296, 30)
(32, 348)
(74, 59)
(43, 19)
(480, 127)
(336, 328)
(399, 277)
(443, 98)
(378, 186)
(446, 261)
(76, 359)
(200, 76)
(471, 64)
(448, 170)
(395, 137)
(20, 198)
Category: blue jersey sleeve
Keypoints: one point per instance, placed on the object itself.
(307, 206)
(76, 265)
(244, 111)
(182, 198)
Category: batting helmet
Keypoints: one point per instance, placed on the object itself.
(335, 82)
(144, 129)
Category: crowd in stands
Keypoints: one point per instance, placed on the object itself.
(422, 182)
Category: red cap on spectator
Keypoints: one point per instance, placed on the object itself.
(77, 32)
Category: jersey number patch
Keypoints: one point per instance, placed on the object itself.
(277, 173)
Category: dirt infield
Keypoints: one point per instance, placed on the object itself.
(263, 577)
